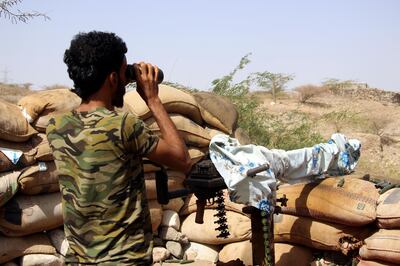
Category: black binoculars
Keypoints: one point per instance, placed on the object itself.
(131, 74)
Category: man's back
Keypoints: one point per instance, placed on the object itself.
(98, 156)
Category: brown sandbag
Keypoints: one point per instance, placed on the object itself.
(192, 133)
(241, 250)
(174, 205)
(38, 179)
(13, 125)
(352, 202)
(374, 263)
(173, 100)
(175, 181)
(287, 254)
(35, 149)
(388, 210)
(190, 205)
(239, 227)
(217, 111)
(45, 102)
(14, 247)
(156, 214)
(242, 136)
(8, 186)
(383, 245)
(318, 235)
(25, 215)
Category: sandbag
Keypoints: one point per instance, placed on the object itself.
(15, 156)
(374, 263)
(242, 136)
(213, 131)
(383, 245)
(8, 186)
(238, 250)
(347, 201)
(58, 240)
(25, 215)
(239, 227)
(45, 102)
(197, 251)
(13, 125)
(156, 214)
(38, 179)
(287, 254)
(173, 100)
(171, 219)
(41, 260)
(387, 212)
(217, 111)
(318, 235)
(190, 205)
(175, 181)
(174, 205)
(193, 134)
(14, 247)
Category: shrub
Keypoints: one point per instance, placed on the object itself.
(306, 92)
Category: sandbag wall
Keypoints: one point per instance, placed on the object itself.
(30, 203)
(198, 117)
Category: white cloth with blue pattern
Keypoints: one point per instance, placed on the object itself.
(337, 157)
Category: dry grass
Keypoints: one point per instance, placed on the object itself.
(306, 92)
(13, 92)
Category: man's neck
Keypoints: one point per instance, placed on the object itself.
(93, 105)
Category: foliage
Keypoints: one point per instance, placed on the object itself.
(272, 82)
(342, 118)
(6, 10)
(289, 131)
(306, 92)
(334, 85)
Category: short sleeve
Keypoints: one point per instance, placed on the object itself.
(137, 138)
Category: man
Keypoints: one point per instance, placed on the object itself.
(98, 155)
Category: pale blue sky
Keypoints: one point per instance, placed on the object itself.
(195, 42)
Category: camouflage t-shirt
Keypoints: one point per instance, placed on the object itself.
(106, 214)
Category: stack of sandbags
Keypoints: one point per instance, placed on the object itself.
(384, 245)
(30, 202)
(332, 214)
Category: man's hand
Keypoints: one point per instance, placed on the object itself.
(146, 81)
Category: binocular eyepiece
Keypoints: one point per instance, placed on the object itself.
(131, 74)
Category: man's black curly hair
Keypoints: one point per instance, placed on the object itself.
(91, 57)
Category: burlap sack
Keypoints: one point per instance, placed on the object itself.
(25, 215)
(238, 250)
(190, 205)
(174, 101)
(40, 178)
(35, 149)
(45, 102)
(13, 125)
(239, 227)
(383, 245)
(42, 260)
(156, 214)
(14, 247)
(287, 254)
(174, 205)
(319, 235)
(8, 186)
(217, 111)
(242, 136)
(213, 131)
(352, 202)
(374, 263)
(192, 133)
(388, 210)
(175, 181)
(197, 251)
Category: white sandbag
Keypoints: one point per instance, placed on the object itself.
(8, 186)
(14, 247)
(41, 260)
(171, 218)
(198, 251)
(13, 125)
(25, 215)
(173, 100)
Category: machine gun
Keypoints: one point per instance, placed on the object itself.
(206, 183)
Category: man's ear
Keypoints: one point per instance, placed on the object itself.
(113, 78)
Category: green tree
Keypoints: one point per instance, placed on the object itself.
(9, 11)
(272, 82)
